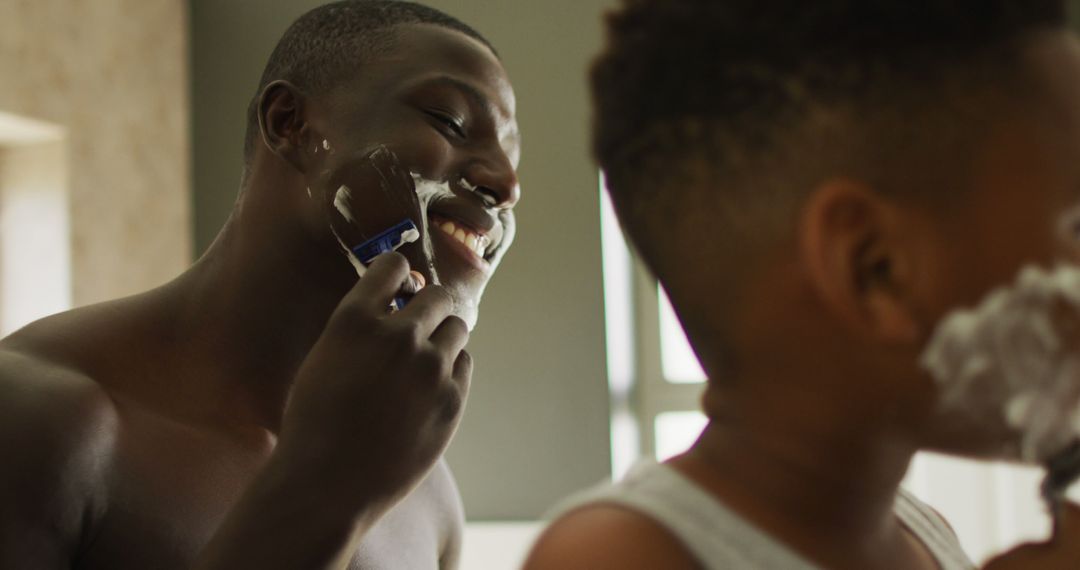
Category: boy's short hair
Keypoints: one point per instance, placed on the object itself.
(717, 116)
(323, 48)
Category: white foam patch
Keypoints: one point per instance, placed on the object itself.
(488, 200)
(341, 203)
(409, 236)
(1014, 360)
(359, 267)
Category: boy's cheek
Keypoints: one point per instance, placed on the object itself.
(1010, 366)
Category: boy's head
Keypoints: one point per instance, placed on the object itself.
(817, 183)
(355, 75)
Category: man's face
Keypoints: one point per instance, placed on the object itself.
(1023, 212)
(443, 104)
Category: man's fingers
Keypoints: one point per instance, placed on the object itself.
(428, 309)
(451, 336)
(414, 284)
(463, 368)
(383, 280)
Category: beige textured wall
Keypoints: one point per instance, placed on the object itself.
(113, 73)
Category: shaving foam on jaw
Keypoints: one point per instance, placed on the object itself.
(1014, 360)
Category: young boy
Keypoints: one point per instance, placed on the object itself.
(817, 185)
(265, 410)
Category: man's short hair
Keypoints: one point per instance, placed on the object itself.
(324, 47)
(733, 108)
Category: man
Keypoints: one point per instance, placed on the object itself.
(816, 185)
(265, 410)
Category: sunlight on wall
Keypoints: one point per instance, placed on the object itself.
(21, 131)
(35, 252)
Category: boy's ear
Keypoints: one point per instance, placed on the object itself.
(850, 249)
(283, 122)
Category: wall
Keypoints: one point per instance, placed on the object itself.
(111, 74)
(35, 231)
(537, 423)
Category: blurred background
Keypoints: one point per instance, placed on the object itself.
(121, 126)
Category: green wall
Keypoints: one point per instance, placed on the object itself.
(536, 427)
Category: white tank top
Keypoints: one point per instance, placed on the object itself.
(722, 540)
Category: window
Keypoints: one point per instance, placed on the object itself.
(654, 376)
(675, 432)
(680, 364)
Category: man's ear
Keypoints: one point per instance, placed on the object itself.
(283, 122)
(852, 251)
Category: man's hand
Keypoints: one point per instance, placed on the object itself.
(378, 397)
(1061, 552)
(372, 408)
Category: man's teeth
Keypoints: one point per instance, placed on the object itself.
(477, 243)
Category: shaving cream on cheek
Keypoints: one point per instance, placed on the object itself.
(427, 190)
(341, 203)
(1014, 361)
(373, 207)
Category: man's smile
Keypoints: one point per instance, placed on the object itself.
(469, 231)
(477, 243)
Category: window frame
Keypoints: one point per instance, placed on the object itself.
(639, 391)
(655, 395)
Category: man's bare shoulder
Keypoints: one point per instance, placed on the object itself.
(55, 373)
(603, 537)
(57, 429)
(49, 410)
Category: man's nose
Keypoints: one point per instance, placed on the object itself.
(495, 181)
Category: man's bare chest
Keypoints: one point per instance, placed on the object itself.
(169, 488)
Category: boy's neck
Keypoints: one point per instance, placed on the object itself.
(812, 479)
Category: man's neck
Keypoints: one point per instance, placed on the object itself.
(255, 303)
(822, 485)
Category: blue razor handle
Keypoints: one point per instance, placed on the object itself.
(389, 240)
